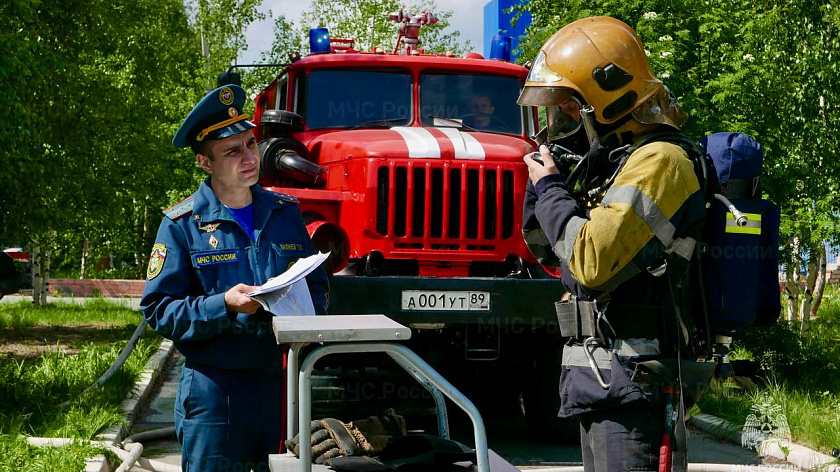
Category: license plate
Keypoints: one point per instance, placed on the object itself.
(438, 300)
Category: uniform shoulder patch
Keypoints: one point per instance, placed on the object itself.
(156, 261)
(287, 198)
(180, 209)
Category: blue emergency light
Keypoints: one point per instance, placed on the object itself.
(500, 47)
(319, 41)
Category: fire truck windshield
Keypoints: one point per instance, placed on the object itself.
(348, 98)
(481, 102)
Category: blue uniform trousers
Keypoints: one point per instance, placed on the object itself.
(228, 421)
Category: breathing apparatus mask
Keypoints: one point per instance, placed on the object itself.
(573, 138)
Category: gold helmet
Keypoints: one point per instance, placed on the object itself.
(600, 61)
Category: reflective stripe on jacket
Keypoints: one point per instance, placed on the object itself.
(654, 207)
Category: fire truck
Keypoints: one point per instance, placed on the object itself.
(408, 168)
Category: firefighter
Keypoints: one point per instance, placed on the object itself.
(621, 247)
(213, 248)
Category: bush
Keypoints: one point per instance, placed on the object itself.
(812, 364)
(802, 376)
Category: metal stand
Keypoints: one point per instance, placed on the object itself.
(355, 334)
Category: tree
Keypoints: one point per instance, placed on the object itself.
(768, 69)
(97, 92)
(366, 21)
(221, 25)
(286, 41)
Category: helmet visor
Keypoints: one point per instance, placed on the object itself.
(544, 96)
(661, 108)
(563, 119)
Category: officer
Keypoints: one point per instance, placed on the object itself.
(213, 248)
(622, 229)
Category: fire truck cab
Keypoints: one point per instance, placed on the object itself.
(408, 168)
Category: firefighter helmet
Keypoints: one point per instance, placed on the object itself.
(600, 62)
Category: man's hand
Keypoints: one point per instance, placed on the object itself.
(537, 170)
(237, 299)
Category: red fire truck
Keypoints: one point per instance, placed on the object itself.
(408, 167)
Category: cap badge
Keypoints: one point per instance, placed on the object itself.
(214, 242)
(233, 112)
(226, 96)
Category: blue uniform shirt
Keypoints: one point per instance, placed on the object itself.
(201, 251)
(245, 217)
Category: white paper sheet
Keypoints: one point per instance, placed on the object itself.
(297, 271)
(288, 294)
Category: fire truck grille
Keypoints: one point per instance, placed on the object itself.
(445, 206)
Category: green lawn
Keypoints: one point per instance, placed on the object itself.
(801, 376)
(49, 356)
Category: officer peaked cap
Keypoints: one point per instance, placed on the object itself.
(217, 116)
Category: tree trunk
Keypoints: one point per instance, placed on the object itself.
(821, 280)
(141, 259)
(139, 232)
(83, 272)
(808, 295)
(792, 281)
(46, 254)
(36, 273)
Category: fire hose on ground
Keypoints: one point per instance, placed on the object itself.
(130, 455)
(132, 448)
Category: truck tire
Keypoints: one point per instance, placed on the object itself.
(541, 395)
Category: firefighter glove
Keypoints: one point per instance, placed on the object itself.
(332, 438)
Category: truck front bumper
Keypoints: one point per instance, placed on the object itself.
(512, 301)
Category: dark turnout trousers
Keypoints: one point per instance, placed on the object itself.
(622, 439)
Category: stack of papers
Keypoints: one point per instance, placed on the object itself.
(287, 294)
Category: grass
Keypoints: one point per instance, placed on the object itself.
(98, 312)
(801, 376)
(82, 342)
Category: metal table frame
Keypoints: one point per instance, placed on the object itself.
(299, 380)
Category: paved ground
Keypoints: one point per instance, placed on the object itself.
(160, 413)
(507, 435)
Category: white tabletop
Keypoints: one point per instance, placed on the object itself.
(338, 328)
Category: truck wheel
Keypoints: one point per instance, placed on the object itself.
(541, 396)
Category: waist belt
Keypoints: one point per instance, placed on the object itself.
(599, 358)
(579, 319)
(576, 355)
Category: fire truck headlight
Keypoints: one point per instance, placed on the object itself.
(500, 48)
(330, 237)
(319, 41)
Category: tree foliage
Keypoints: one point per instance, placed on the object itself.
(366, 21)
(96, 90)
(286, 41)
